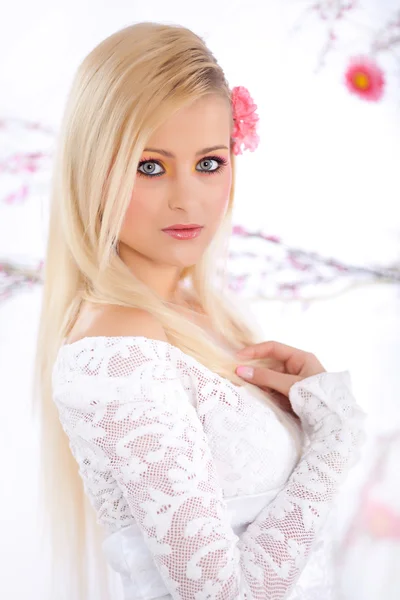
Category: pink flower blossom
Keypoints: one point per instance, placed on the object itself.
(245, 120)
(365, 79)
(17, 196)
(238, 230)
(381, 521)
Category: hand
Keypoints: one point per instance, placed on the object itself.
(296, 365)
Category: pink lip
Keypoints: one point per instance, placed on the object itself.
(183, 226)
(184, 234)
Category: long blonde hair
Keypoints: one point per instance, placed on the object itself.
(123, 90)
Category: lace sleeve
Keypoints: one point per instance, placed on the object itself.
(155, 446)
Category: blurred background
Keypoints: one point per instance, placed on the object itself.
(315, 252)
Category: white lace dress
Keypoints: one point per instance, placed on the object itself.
(205, 490)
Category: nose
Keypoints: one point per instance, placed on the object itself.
(183, 192)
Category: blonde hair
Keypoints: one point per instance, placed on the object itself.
(123, 90)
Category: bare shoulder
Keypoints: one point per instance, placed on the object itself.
(115, 321)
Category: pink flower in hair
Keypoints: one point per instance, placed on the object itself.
(245, 120)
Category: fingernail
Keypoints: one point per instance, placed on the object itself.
(246, 372)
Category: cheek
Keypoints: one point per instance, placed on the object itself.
(140, 209)
(139, 218)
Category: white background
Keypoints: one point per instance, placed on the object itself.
(325, 178)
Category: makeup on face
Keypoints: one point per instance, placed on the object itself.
(221, 163)
(215, 164)
(184, 233)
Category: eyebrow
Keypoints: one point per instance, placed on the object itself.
(170, 155)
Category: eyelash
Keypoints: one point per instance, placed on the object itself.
(219, 159)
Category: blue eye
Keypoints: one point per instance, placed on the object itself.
(210, 168)
(151, 172)
(208, 162)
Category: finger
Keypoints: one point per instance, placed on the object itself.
(263, 377)
(294, 358)
(281, 351)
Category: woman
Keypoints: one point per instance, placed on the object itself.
(205, 484)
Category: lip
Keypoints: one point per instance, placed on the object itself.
(183, 226)
(188, 233)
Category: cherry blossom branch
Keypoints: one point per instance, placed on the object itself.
(15, 278)
(282, 272)
(388, 37)
(331, 12)
(23, 164)
(273, 271)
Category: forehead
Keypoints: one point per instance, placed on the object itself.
(205, 121)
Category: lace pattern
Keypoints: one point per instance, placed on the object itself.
(161, 441)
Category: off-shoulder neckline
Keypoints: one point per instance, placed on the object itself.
(86, 339)
(246, 385)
